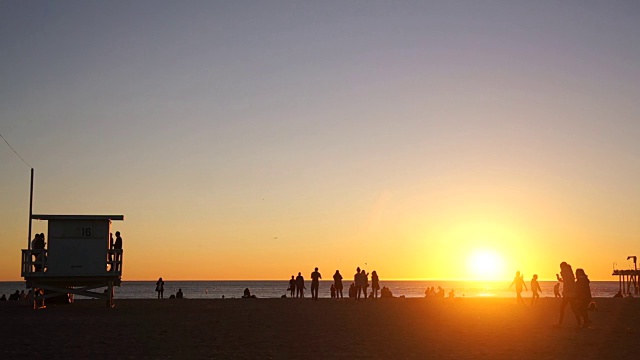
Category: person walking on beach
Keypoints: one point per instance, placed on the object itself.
(337, 282)
(365, 283)
(315, 284)
(357, 280)
(299, 286)
(568, 281)
(518, 281)
(292, 286)
(556, 290)
(160, 288)
(535, 287)
(375, 284)
(583, 297)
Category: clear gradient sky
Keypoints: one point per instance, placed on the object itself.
(256, 139)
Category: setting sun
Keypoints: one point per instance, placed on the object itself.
(485, 265)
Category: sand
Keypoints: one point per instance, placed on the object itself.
(292, 329)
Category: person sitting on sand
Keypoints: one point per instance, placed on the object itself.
(160, 288)
(337, 282)
(332, 290)
(385, 293)
(556, 290)
(568, 281)
(535, 287)
(518, 281)
(452, 294)
(352, 290)
(440, 293)
(247, 293)
(15, 295)
(179, 294)
(583, 297)
(300, 286)
(292, 286)
(3, 298)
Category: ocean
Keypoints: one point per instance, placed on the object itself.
(275, 289)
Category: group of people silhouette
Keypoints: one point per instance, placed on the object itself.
(576, 292)
(357, 290)
(38, 246)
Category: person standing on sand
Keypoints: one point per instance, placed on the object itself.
(568, 281)
(583, 296)
(160, 288)
(365, 283)
(292, 286)
(299, 286)
(357, 279)
(535, 287)
(315, 284)
(375, 284)
(518, 281)
(556, 290)
(337, 282)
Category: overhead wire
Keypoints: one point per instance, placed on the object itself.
(14, 151)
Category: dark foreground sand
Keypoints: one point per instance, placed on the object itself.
(289, 328)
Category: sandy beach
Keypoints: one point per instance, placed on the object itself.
(287, 328)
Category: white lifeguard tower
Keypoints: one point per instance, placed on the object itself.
(79, 257)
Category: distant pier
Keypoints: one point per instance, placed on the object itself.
(629, 278)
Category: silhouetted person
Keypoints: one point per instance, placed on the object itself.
(375, 284)
(440, 293)
(246, 294)
(583, 296)
(518, 281)
(160, 288)
(556, 290)
(568, 281)
(385, 293)
(352, 291)
(115, 245)
(15, 296)
(452, 294)
(3, 298)
(179, 294)
(357, 279)
(337, 282)
(299, 286)
(38, 244)
(292, 286)
(315, 283)
(332, 290)
(365, 283)
(118, 243)
(535, 287)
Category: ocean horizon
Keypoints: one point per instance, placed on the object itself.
(216, 289)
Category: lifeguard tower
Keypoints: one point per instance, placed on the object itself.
(79, 257)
